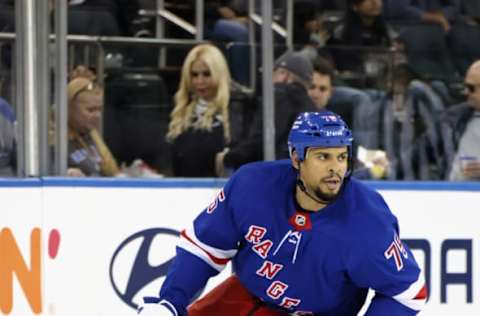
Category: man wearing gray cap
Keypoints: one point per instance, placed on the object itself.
(292, 77)
(293, 67)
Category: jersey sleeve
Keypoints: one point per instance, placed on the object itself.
(383, 263)
(203, 251)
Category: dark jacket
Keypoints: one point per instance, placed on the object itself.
(193, 152)
(412, 140)
(413, 10)
(242, 112)
(453, 124)
(353, 32)
(290, 99)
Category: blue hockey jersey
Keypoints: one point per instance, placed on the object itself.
(307, 263)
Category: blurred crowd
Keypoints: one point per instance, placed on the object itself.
(404, 74)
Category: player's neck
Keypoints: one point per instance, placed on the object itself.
(308, 203)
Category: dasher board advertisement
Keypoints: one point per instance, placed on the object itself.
(96, 247)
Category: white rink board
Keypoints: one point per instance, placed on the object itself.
(95, 219)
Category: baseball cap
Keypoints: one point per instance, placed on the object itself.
(296, 63)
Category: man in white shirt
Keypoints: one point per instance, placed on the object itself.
(461, 131)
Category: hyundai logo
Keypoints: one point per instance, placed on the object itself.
(141, 262)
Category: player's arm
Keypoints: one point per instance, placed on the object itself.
(203, 251)
(390, 269)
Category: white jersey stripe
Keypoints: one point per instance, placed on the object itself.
(407, 297)
(169, 306)
(216, 258)
(196, 251)
(219, 253)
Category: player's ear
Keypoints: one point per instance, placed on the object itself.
(295, 160)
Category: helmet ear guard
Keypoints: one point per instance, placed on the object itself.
(295, 159)
(320, 129)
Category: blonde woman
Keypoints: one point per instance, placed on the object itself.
(200, 123)
(87, 153)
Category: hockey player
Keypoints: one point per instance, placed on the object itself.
(304, 238)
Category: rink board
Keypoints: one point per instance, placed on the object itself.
(96, 247)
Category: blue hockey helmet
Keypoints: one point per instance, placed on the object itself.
(319, 129)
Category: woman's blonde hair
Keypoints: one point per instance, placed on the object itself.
(185, 100)
(79, 85)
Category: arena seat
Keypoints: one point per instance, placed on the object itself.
(137, 108)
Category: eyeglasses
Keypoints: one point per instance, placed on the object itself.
(470, 87)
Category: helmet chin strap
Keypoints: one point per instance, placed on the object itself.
(302, 187)
(304, 190)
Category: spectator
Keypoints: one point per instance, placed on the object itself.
(410, 128)
(464, 35)
(461, 132)
(354, 104)
(205, 118)
(8, 146)
(308, 28)
(424, 26)
(321, 89)
(87, 153)
(292, 77)
(226, 21)
(430, 11)
(363, 27)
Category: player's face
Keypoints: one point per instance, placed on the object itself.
(202, 81)
(323, 171)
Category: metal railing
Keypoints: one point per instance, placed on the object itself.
(33, 74)
(34, 120)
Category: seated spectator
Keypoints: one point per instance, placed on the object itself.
(206, 118)
(434, 11)
(424, 27)
(410, 130)
(8, 146)
(355, 105)
(292, 77)
(308, 28)
(363, 28)
(461, 132)
(321, 89)
(87, 153)
(226, 21)
(464, 35)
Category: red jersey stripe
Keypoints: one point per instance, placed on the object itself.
(212, 257)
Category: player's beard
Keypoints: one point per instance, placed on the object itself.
(327, 196)
(324, 196)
